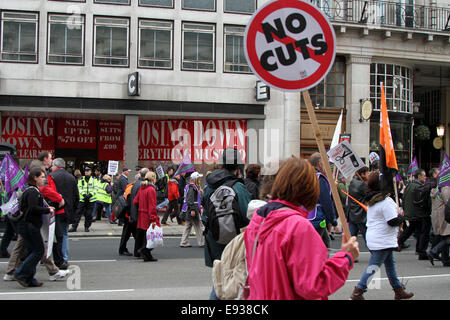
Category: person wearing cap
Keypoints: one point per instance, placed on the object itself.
(88, 196)
(191, 210)
(231, 165)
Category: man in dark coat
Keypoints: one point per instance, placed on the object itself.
(231, 161)
(417, 215)
(130, 225)
(251, 181)
(356, 215)
(121, 186)
(66, 185)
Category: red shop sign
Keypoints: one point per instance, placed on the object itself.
(31, 136)
(77, 134)
(110, 140)
(168, 140)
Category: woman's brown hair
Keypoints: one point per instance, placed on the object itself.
(297, 183)
(35, 172)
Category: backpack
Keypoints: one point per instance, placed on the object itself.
(447, 211)
(223, 213)
(421, 196)
(119, 207)
(230, 273)
(15, 212)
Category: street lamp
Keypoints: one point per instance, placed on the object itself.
(440, 130)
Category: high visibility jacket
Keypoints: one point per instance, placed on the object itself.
(102, 194)
(86, 188)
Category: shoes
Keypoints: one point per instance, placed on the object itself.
(73, 229)
(402, 246)
(5, 255)
(165, 224)
(35, 283)
(125, 253)
(423, 257)
(61, 274)
(431, 257)
(21, 282)
(86, 229)
(185, 245)
(8, 277)
(63, 266)
(401, 294)
(112, 222)
(357, 294)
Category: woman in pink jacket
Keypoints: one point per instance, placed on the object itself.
(290, 260)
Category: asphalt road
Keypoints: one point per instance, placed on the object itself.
(180, 274)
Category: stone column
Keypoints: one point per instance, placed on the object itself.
(358, 87)
(131, 142)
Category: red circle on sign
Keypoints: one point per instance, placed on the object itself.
(326, 60)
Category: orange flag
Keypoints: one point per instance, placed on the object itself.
(385, 133)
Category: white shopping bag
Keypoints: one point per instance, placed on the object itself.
(154, 237)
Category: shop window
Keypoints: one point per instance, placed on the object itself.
(234, 50)
(330, 92)
(111, 41)
(19, 36)
(198, 47)
(113, 1)
(157, 3)
(397, 82)
(65, 39)
(209, 5)
(155, 44)
(240, 6)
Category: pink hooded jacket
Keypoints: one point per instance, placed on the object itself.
(291, 260)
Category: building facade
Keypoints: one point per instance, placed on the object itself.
(142, 81)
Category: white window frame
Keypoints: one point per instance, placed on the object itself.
(187, 27)
(75, 22)
(199, 9)
(98, 22)
(228, 31)
(155, 26)
(20, 19)
(155, 5)
(241, 12)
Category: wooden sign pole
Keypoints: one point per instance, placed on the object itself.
(326, 164)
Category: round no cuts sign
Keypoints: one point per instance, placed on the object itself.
(290, 45)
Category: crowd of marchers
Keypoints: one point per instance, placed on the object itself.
(265, 236)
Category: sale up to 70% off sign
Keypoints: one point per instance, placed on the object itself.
(290, 45)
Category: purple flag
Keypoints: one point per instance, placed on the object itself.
(185, 166)
(14, 177)
(444, 172)
(413, 167)
(398, 178)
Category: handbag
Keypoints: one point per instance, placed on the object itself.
(154, 237)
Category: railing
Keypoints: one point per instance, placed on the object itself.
(374, 13)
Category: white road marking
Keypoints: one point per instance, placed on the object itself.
(71, 291)
(412, 277)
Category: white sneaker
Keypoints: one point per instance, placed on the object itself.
(8, 277)
(61, 274)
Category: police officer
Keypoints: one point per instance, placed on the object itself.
(88, 196)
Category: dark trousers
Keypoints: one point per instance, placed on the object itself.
(8, 235)
(129, 228)
(140, 245)
(60, 227)
(421, 229)
(35, 245)
(173, 206)
(323, 233)
(356, 228)
(442, 247)
(84, 209)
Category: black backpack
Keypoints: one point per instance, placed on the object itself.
(222, 212)
(447, 211)
(421, 196)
